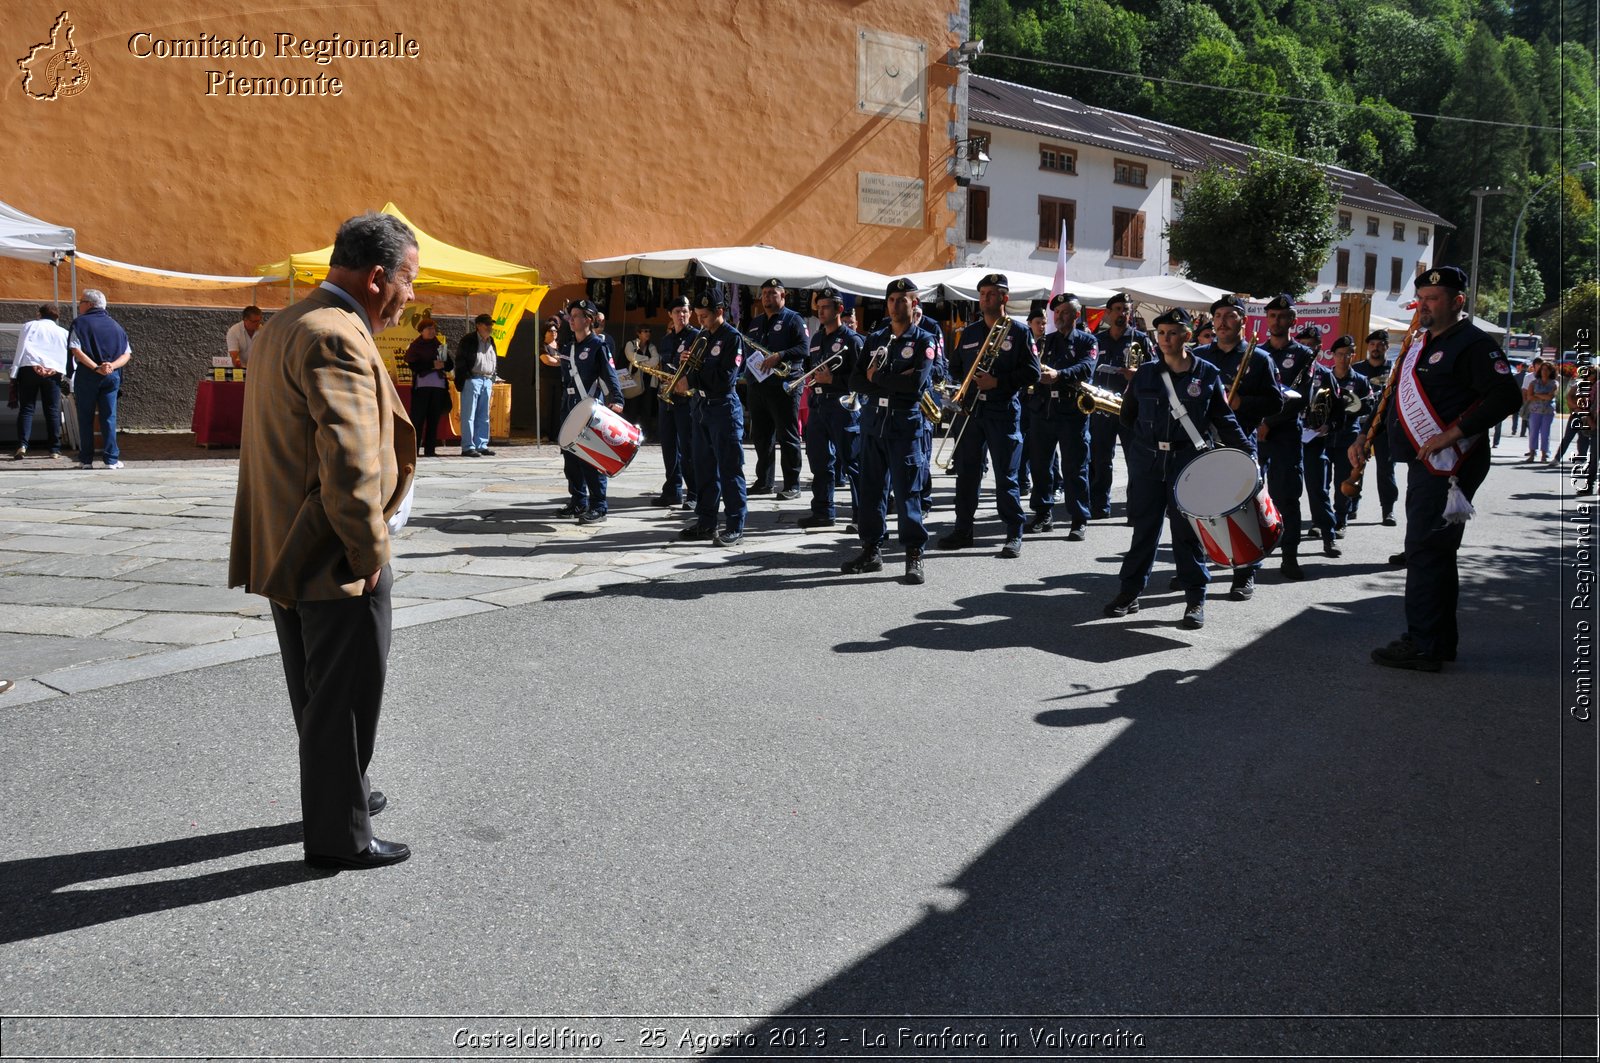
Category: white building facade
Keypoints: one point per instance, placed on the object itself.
(1116, 180)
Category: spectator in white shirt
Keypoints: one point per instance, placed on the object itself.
(36, 376)
(242, 334)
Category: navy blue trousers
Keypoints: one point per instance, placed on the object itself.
(675, 427)
(719, 463)
(1149, 504)
(833, 447)
(900, 464)
(1059, 449)
(1433, 584)
(1000, 438)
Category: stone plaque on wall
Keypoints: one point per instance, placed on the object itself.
(884, 199)
(891, 76)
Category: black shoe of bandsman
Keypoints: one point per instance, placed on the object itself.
(1012, 548)
(1403, 653)
(1244, 587)
(816, 521)
(697, 534)
(956, 540)
(866, 561)
(1122, 604)
(1077, 534)
(1042, 522)
(1194, 616)
(914, 574)
(1291, 570)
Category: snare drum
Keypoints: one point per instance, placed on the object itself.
(600, 436)
(1221, 495)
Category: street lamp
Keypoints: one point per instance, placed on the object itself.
(1516, 231)
(1477, 235)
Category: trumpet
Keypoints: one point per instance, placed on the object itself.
(832, 362)
(964, 395)
(1135, 355)
(879, 359)
(690, 360)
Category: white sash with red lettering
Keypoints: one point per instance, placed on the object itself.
(1419, 420)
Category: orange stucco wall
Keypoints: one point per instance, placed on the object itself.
(539, 132)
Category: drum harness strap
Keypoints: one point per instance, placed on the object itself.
(572, 366)
(1180, 413)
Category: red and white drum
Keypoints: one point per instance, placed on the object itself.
(600, 436)
(1221, 495)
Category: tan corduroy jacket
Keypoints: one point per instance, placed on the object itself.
(326, 456)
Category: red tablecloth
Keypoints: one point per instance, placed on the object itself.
(219, 414)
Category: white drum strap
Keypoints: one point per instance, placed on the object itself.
(1181, 412)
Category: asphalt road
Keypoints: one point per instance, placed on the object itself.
(771, 790)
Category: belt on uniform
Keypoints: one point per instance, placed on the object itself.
(818, 389)
(896, 404)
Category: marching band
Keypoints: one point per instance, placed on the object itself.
(1220, 439)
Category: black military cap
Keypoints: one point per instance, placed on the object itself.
(710, 299)
(1311, 334)
(773, 282)
(1443, 277)
(1119, 297)
(1379, 335)
(1064, 297)
(584, 306)
(1284, 301)
(831, 294)
(995, 280)
(902, 284)
(1176, 316)
(680, 303)
(1035, 310)
(1347, 341)
(1228, 300)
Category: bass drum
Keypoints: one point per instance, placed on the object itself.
(598, 435)
(1221, 494)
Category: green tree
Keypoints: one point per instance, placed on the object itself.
(1575, 322)
(1559, 233)
(1377, 139)
(1527, 83)
(1313, 126)
(1236, 115)
(1281, 208)
(1101, 35)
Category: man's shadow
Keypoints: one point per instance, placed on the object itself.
(38, 900)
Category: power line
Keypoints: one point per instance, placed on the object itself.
(1272, 96)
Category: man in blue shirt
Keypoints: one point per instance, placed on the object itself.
(1282, 453)
(1059, 426)
(719, 425)
(773, 411)
(675, 425)
(100, 349)
(586, 372)
(833, 430)
(1114, 338)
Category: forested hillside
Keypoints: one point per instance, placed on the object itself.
(1368, 84)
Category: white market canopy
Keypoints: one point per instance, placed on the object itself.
(963, 284)
(743, 265)
(166, 278)
(1168, 291)
(26, 237)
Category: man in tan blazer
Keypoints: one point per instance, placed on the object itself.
(326, 461)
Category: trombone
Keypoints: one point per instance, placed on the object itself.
(964, 396)
(781, 371)
(691, 358)
(832, 362)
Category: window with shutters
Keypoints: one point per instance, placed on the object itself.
(1372, 226)
(1057, 160)
(1130, 173)
(977, 214)
(1396, 270)
(1422, 235)
(1399, 230)
(1052, 213)
(1341, 277)
(1371, 282)
(1347, 222)
(1127, 233)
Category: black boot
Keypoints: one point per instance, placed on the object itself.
(914, 567)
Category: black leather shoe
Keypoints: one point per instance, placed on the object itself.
(1398, 560)
(1077, 534)
(1244, 588)
(914, 574)
(593, 516)
(1042, 522)
(1101, 514)
(816, 521)
(1012, 548)
(379, 854)
(471, 454)
(789, 494)
(1175, 584)
(1331, 549)
(727, 538)
(1122, 605)
(954, 541)
(663, 500)
(1194, 616)
(485, 452)
(1291, 570)
(1402, 653)
(697, 534)
(568, 510)
(866, 561)
(1389, 521)
(851, 529)
(758, 489)
(376, 802)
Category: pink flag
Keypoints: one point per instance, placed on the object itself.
(1058, 285)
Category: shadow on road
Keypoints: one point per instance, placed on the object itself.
(38, 900)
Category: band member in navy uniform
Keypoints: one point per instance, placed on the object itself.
(1349, 398)
(941, 374)
(833, 429)
(586, 372)
(1376, 369)
(895, 368)
(1280, 446)
(1159, 446)
(773, 411)
(1257, 396)
(719, 426)
(1114, 338)
(1059, 426)
(675, 419)
(995, 424)
(1453, 386)
(1025, 467)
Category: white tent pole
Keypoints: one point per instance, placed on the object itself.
(74, 285)
(55, 280)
